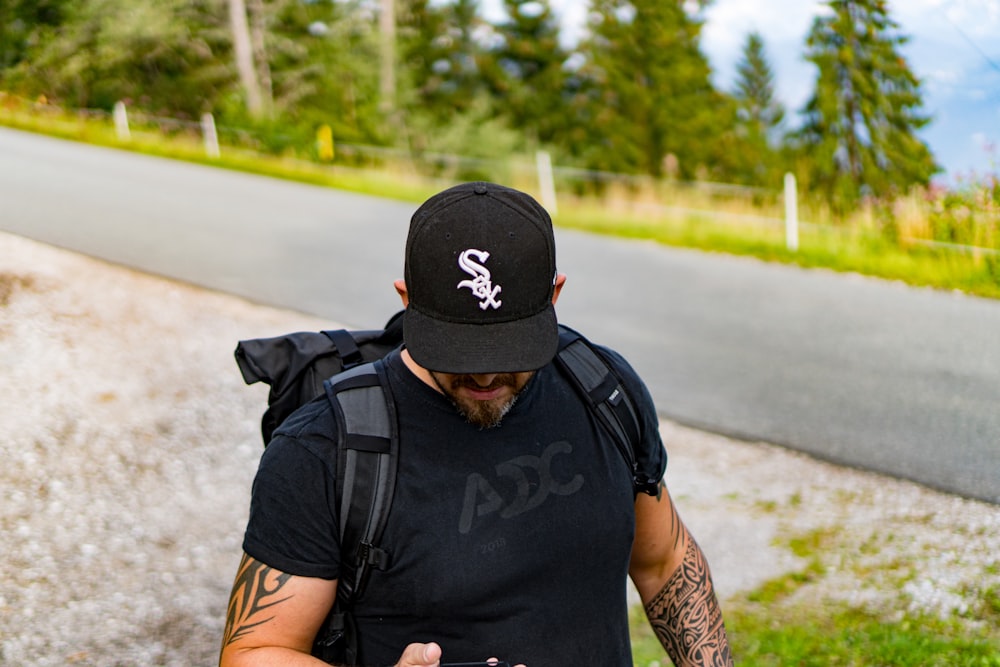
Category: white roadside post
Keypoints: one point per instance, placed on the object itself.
(546, 182)
(791, 213)
(209, 135)
(121, 121)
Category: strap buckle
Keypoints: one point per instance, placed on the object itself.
(369, 554)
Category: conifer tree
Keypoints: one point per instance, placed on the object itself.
(452, 80)
(525, 70)
(445, 98)
(860, 131)
(324, 59)
(422, 46)
(758, 116)
(646, 92)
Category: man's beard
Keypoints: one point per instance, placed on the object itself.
(484, 414)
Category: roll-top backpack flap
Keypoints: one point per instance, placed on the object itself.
(295, 365)
(275, 361)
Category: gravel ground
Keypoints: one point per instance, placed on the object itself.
(130, 441)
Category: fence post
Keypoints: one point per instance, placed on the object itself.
(121, 121)
(209, 135)
(791, 213)
(546, 182)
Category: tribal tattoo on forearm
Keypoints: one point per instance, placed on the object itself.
(254, 591)
(686, 617)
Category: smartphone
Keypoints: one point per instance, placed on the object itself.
(493, 663)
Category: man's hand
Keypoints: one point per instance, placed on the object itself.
(426, 655)
(420, 655)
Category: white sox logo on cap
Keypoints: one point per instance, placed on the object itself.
(481, 284)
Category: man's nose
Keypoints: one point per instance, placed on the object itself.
(484, 379)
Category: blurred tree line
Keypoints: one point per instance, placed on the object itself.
(633, 96)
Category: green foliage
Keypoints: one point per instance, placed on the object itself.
(427, 56)
(162, 54)
(443, 57)
(861, 122)
(476, 134)
(759, 115)
(24, 22)
(525, 70)
(968, 214)
(646, 92)
(323, 59)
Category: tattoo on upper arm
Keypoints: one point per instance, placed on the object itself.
(686, 617)
(676, 527)
(254, 591)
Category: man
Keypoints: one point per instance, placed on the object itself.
(514, 518)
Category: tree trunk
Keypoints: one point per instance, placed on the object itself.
(387, 78)
(258, 31)
(244, 57)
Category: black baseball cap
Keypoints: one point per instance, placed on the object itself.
(480, 272)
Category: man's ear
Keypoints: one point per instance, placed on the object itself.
(401, 291)
(557, 288)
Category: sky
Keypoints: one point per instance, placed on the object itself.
(954, 49)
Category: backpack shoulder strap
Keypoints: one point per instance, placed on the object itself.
(605, 394)
(367, 458)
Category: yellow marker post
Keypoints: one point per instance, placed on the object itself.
(324, 143)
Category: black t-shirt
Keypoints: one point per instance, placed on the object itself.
(511, 542)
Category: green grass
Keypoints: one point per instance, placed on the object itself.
(849, 637)
(188, 148)
(842, 250)
(848, 248)
(764, 636)
(782, 623)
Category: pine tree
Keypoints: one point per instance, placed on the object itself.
(324, 60)
(525, 70)
(759, 110)
(859, 134)
(444, 95)
(448, 55)
(645, 91)
(759, 116)
(426, 48)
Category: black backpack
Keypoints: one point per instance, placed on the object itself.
(347, 367)
(296, 365)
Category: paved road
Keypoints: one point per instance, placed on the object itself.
(857, 371)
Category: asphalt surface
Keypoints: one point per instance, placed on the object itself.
(861, 372)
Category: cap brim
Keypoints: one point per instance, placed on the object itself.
(500, 347)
